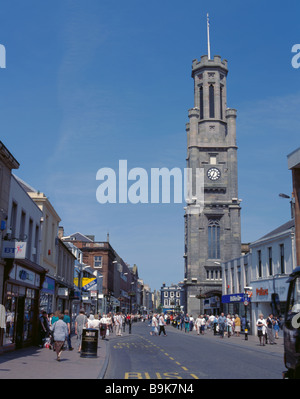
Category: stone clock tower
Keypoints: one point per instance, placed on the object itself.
(213, 234)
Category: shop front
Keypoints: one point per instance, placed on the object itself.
(269, 296)
(21, 303)
(47, 295)
(239, 304)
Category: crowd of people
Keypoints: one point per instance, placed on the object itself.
(221, 325)
(55, 328)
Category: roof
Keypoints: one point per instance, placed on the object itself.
(281, 229)
(77, 237)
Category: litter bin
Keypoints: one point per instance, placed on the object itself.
(89, 343)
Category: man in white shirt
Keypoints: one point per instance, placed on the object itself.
(261, 329)
(161, 323)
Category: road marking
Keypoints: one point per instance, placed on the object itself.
(194, 376)
(184, 368)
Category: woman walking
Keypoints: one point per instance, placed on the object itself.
(60, 334)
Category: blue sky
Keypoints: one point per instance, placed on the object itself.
(90, 83)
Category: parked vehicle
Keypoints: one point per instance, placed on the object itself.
(291, 327)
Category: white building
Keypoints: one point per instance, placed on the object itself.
(265, 269)
(273, 259)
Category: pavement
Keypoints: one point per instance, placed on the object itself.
(41, 363)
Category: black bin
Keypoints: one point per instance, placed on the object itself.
(89, 343)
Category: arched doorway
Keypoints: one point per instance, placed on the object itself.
(212, 304)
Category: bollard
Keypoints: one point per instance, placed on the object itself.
(246, 334)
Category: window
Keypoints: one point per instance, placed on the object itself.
(172, 294)
(259, 263)
(221, 102)
(13, 219)
(201, 102)
(97, 261)
(270, 261)
(178, 294)
(282, 268)
(213, 160)
(213, 239)
(166, 294)
(166, 303)
(211, 101)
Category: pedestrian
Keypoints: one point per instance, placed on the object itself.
(67, 320)
(81, 322)
(118, 324)
(191, 323)
(103, 326)
(229, 324)
(55, 317)
(270, 330)
(162, 323)
(276, 326)
(216, 325)
(110, 322)
(187, 323)
(44, 329)
(237, 325)
(93, 321)
(221, 324)
(154, 325)
(198, 324)
(60, 334)
(202, 326)
(261, 329)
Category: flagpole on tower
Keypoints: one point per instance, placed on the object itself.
(208, 39)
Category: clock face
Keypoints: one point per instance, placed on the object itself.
(213, 174)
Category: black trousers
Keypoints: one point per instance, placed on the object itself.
(162, 329)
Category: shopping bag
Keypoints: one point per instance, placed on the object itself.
(107, 332)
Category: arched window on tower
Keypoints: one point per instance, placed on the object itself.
(211, 101)
(221, 102)
(201, 102)
(214, 239)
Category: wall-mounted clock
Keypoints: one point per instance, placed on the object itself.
(213, 173)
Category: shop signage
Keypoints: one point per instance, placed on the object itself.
(13, 249)
(25, 276)
(262, 292)
(235, 298)
(63, 292)
(49, 285)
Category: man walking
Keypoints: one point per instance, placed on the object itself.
(161, 323)
(222, 323)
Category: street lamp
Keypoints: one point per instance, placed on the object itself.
(292, 202)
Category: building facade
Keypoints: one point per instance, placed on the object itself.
(212, 217)
(172, 298)
(262, 275)
(7, 164)
(24, 276)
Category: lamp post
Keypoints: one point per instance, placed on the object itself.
(131, 295)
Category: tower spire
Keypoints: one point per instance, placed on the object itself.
(208, 39)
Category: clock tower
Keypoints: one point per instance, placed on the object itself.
(212, 235)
